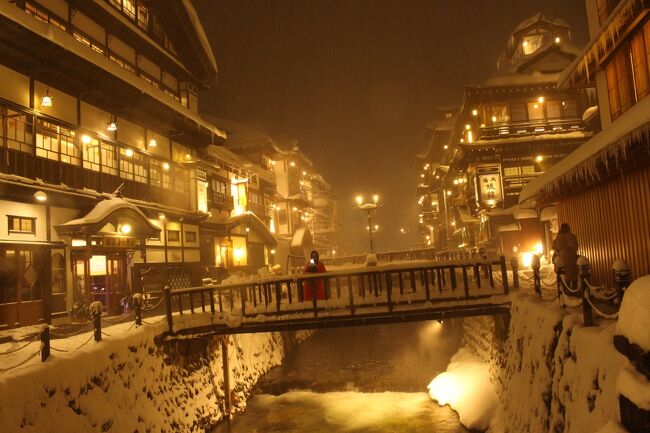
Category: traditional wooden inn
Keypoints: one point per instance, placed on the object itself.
(301, 209)
(110, 181)
(602, 190)
(509, 130)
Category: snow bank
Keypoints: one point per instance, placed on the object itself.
(634, 385)
(634, 320)
(466, 387)
(551, 373)
(612, 427)
(127, 383)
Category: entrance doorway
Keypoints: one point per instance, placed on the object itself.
(100, 278)
(21, 286)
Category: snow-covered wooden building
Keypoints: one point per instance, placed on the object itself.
(511, 129)
(602, 190)
(110, 180)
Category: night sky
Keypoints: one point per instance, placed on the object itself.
(355, 81)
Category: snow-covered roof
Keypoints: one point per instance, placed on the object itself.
(200, 32)
(581, 164)
(466, 216)
(539, 18)
(571, 135)
(69, 43)
(254, 223)
(600, 43)
(102, 214)
(518, 79)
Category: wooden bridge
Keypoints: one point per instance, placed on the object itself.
(393, 293)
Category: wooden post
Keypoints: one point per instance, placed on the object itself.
(314, 284)
(278, 295)
(191, 295)
(338, 287)
(211, 293)
(226, 376)
(584, 271)
(242, 295)
(389, 290)
(401, 283)
(412, 278)
(97, 322)
(452, 277)
(426, 286)
(514, 264)
(137, 308)
(465, 282)
(477, 275)
(351, 294)
(168, 309)
(45, 342)
(504, 275)
(439, 272)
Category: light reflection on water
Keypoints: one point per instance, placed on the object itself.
(369, 379)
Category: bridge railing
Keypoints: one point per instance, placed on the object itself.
(364, 291)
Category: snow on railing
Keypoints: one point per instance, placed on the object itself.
(601, 300)
(344, 293)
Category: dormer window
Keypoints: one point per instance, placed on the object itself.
(531, 44)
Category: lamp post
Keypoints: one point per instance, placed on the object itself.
(369, 207)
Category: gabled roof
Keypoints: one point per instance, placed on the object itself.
(110, 211)
(538, 18)
(253, 222)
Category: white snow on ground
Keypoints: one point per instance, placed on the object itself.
(634, 317)
(466, 387)
(634, 385)
(127, 383)
(555, 375)
(612, 427)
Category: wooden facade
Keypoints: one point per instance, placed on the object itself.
(611, 221)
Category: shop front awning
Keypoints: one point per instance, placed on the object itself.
(252, 222)
(514, 227)
(548, 213)
(112, 216)
(301, 242)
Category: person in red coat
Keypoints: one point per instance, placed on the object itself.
(315, 266)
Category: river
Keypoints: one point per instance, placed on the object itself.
(368, 379)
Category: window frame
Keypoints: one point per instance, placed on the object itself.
(21, 219)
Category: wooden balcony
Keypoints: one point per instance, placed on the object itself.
(221, 202)
(530, 128)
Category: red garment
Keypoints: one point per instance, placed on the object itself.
(319, 285)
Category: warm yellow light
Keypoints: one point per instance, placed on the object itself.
(455, 181)
(272, 251)
(474, 112)
(40, 196)
(165, 166)
(85, 139)
(376, 226)
(470, 137)
(535, 106)
(494, 118)
(295, 209)
(304, 173)
(446, 146)
(375, 198)
(333, 252)
(539, 158)
(239, 254)
(448, 192)
(428, 237)
(293, 164)
(112, 126)
(468, 126)
(188, 156)
(128, 152)
(359, 200)
(125, 229)
(153, 142)
(539, 248)
(557, 39)
(525, 44)
(46, 101)
(453, 223)
(161, 216)
(540, 99)
(422, 175)
(527, 259)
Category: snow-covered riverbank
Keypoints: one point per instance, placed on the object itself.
(127, 383)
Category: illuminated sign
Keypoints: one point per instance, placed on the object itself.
(490, 191)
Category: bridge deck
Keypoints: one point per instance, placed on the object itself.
(364, 296)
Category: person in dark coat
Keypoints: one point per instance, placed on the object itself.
(566, 246)
(314, 266)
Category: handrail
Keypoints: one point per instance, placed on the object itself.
(376, 286)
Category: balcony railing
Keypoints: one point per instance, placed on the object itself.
(530, 128)
(222, 201)
(257, 209)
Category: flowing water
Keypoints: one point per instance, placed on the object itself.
(368, 379)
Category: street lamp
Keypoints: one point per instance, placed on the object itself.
(369, 207)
